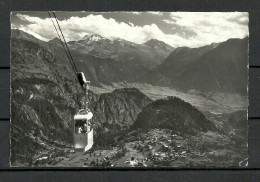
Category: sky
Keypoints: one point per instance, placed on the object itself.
(178, 29)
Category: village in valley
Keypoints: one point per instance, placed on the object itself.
(161, 148)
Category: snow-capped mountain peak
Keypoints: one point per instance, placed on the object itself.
(93, 37)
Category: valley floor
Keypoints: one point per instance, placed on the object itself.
(214, 102)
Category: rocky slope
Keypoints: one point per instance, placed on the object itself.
(174, 114)
(115, 112)
(45, 96)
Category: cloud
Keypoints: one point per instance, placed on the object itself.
(75, 28)
(155, 13)
(169, 21)
(134, 12)
(211, 27)
(189, 29)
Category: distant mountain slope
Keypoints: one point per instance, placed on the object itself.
(223, 69)
(174, 114)
(107, 71)
(160, 48)
(19, 34)
(216, 67)
(176, 62)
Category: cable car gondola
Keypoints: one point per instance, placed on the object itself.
(83, 127)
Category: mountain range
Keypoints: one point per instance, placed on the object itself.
(104, 60)
(45, 95)
(218, 67)
(150, 54)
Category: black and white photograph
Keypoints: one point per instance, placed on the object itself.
(129, 89)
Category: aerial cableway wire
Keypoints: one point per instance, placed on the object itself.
(65, 46)
(72, 61)
(67, 54)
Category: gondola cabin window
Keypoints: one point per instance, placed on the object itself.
(80, 126)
